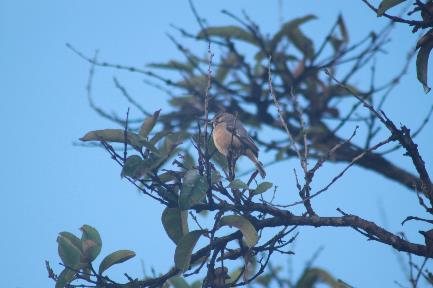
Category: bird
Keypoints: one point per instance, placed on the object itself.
(232, 140)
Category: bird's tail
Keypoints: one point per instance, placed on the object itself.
(256, 162)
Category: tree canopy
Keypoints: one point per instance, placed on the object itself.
(303, 90)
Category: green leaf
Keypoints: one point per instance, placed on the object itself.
(265, 279)
(313, 276)
(282, 153)
(387, 4)
(167, 176)
(193, 191)
(263, 187)
(422, 64)
(175, 222)
(227, 63)
(235, 274)
(196, 284)
(134, 167)
(169, 145)
(188, 160)
(336, 43)
(91, 243)
(338, 91)
(247, 229)
(149, 146)
(425, 39)
(199, 261)
(291, 30)
(113, 135)
(238, 184)
(65, 277)
(75, 241)
(289, 25)
(173, 65)
(158, 136)
(168, 195)
(68, 252)
(178, 282)
(229, 32)
(198, 82)
(115, 258)
(343, 29)
(71, 237)
(302, 42)
(182, 255)
(148, 124)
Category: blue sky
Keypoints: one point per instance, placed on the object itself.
(49, 185)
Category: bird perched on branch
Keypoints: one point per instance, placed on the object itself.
(232, 140)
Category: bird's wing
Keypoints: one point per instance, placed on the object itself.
(241, 133)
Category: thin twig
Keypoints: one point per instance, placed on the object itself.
(281, 113)
(125, 135)
(354, 160)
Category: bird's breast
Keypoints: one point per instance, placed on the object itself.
(224, 140)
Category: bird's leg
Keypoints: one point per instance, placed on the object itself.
(232, 157)
(230, 165)
(234, 160)
(231, 160)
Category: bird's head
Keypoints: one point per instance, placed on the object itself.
(222, 118)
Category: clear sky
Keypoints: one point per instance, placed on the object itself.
(49, 185)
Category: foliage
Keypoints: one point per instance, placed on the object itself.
(424, 11)
(77, 257)
(286, 82)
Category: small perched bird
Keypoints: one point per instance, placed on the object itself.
(232, 140)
